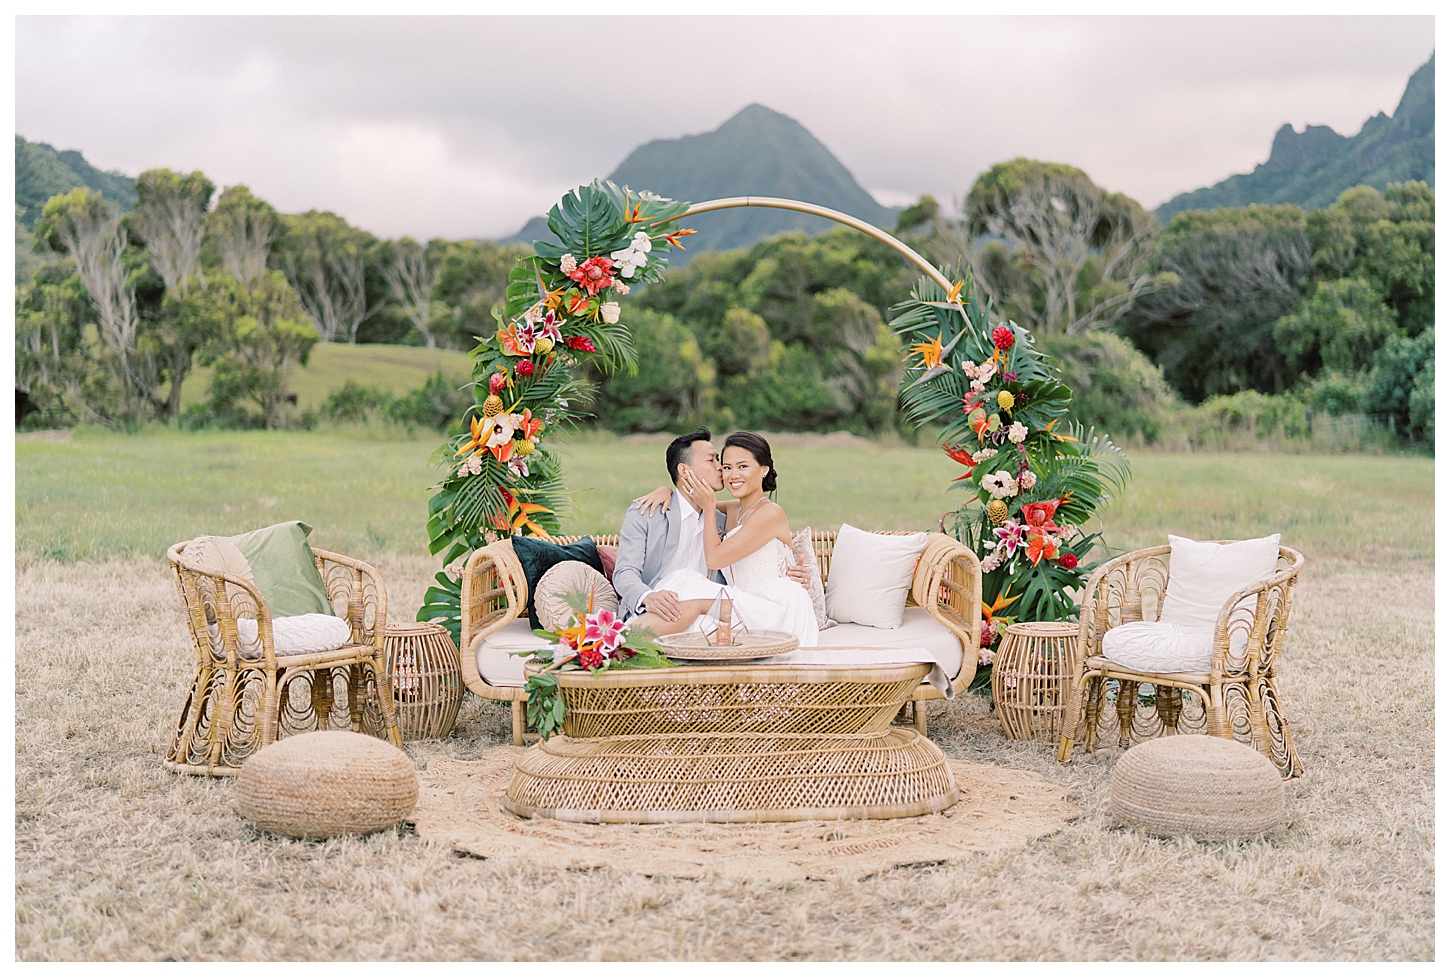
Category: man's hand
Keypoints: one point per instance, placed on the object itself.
(656, 501)
(800, 574)
(665, 603)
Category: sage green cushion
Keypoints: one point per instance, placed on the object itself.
(285, 569)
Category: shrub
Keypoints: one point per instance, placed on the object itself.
(1402, 384)
(1116, 389)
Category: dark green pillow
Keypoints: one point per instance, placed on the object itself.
(538, 555)
(285, 569)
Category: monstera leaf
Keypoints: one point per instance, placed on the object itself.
(588, 221)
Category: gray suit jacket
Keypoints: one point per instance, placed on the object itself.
(646, 544)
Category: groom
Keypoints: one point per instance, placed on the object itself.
(651, 546)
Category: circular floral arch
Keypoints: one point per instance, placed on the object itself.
(1031, 484)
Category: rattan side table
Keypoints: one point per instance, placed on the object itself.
(1032, 678)
(426, 678)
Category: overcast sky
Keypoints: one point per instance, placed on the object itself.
(462, 127)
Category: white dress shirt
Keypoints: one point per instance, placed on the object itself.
(690, 549)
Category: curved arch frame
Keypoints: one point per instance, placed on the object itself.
(781, 203)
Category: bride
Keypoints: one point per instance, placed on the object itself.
(753, 555)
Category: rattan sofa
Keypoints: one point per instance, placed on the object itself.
(947, 584)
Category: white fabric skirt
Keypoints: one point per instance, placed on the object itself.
(775, 605)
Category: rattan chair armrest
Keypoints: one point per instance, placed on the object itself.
(356, 617)
(494, 593)
(948, 586)
(1087, 641)
(1260, 624)
(191, 600)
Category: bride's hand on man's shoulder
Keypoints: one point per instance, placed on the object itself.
(655, 502)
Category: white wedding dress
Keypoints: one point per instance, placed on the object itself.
(765, 599)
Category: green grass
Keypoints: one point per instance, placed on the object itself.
(102, 495)
(397, 368)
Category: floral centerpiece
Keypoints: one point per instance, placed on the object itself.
(594, 641)
(500, 475)
(1034, 479)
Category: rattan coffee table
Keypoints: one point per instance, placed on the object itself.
(734, 743)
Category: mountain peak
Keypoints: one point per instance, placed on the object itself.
(1294, 149)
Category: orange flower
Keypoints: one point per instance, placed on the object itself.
(502, 451)
(529, 424)
(955, 294)
(478, 434)
(961, 456)
(930, 352)
(674, 238)
(512, 343)
(1039, 515)
(1000, 604)
(578, 303)
(1041, 547)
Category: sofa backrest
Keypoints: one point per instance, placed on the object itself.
(824, 543)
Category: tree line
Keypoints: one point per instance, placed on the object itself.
(126, 305)
(1266, 309)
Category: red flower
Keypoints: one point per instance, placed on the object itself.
(496, 382)
(1039, 515)
(591, 659)
(1003, 338)
(988, 635)
(1068, 561)
(525, 368)
(582, 343)
(593, 274)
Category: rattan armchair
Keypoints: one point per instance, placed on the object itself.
(1237, 698)
(947, 583)
(244, 696)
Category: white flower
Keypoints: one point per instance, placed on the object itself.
(633, 257)
(609, 311)
(1027, 480)
(984, 656)
(471, 466)
(501, 431)
(567, 264)
(535, 314)
(986, 371)
(454, 570)
(978, 386)
(983, 455)
(1000, 484)
(520, 467)
(621, 288)
(1017, 433)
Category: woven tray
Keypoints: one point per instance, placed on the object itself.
(693, 646)
(656, 779)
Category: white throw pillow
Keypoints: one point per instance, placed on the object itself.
(301, 634)
(803, 552)
(571, 576)
(497, 664)
(870, 576)
(1146, 646)
(1203, 576)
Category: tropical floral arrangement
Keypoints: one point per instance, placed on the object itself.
(594, 641)
(1034, 478)
(561, 311)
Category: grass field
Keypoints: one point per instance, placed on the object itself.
(396, 368)
(118, 859)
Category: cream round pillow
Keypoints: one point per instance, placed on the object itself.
(568, 577)
(332, 782)
(215, 554)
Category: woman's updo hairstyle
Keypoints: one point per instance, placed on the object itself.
(759, 449)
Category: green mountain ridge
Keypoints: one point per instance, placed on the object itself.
(757, 152)
(42, 171)
(1312, 168)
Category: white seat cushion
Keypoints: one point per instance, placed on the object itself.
(300, 634)
(918, 630)
(496, 665)
(1150, 646)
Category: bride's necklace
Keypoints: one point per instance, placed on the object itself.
(740, 520)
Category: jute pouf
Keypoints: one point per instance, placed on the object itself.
(1208, 788)
(334, 782)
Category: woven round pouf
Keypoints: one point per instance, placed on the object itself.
(1209, 788)
(427, 679)
(1032, 678)
(318, 785)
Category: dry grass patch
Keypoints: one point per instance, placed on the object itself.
(118, 859)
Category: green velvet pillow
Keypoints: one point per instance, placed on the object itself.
(537, 556)
(285, 569)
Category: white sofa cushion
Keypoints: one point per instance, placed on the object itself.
(870, 575)
(300, 634)
(1149, 646)
(918, 630)
(1203, 576)
(496, 665)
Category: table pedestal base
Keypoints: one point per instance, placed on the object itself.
(647, 779)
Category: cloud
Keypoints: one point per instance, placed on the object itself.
(468, 126)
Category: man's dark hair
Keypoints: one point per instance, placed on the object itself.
(678, 452)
